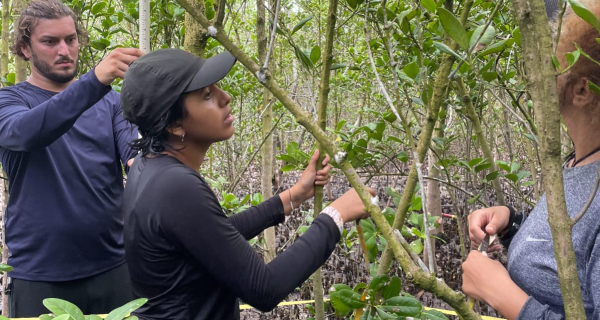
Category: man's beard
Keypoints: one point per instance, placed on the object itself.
(45, 69)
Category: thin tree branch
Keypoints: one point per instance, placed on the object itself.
(272, 41)
(525, 123)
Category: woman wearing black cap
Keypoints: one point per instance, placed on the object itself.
(184, 254)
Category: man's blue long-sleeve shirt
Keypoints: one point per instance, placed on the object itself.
(62, 153)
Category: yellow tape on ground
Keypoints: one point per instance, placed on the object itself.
(291, 303)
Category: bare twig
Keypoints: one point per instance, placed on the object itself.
(525, 123)
(408, 249)
(237, 179)
(277, 8)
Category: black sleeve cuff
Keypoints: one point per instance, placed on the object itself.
(514, 223)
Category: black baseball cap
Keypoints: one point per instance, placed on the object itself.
(154, 82)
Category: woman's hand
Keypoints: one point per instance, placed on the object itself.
(305, 188)
(487, 280)
(487, 221)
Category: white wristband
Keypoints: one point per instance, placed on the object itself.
(335, 215)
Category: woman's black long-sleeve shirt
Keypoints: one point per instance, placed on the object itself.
(192, 261)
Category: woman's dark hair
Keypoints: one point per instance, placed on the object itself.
(155, 140)
(30, 16)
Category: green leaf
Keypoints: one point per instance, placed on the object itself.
(522, 175)
(384, 315)
(487, 38)
(594, 87)
(585, 14)
(444, 48)
(411, 70)
(210, 9)
(393, 288)
(503, 165)
(492, 175)
(489, 76)
(304, 58)
(482, 167)
(496, 47)
(362, 144)
(512, 177)
(131, 318)
(402, 156)
(60, 307)
(98, 7)
(100, 44)
(473, 162)
(339, 287)
(352, 3)
(367, 225)
(453, 27)
(315, 54)
(46, 317)
(288, 167)
(123, 311)
(11, 77)
(514, 167)
(378, 282)
(434, 315)
(403, 306)
(301, 24)
(5, 268)
(370, 240)
(336, 66)
(517, 36)
(344, 301)
(572, 57)
(429, 5)
(92, 317)
(416, 246)
(63, 317)
(229, 197)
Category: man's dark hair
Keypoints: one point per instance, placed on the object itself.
(155, 140)
(30, 16)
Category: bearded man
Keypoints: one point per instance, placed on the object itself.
(63, 146)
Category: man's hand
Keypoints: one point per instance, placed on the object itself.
(116, 64)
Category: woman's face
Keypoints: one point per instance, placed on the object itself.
(208, 117)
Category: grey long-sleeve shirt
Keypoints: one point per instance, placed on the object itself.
(531, 262)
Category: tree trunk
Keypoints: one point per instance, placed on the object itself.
(267, 123)
(3, 204)
(327, 58)
(434, 201)
(5, 39)
(20, 64)
(481, 139)
(541, 76)
(195, 36)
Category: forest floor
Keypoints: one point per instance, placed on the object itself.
(347, 266)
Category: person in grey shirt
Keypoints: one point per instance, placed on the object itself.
(529, 289)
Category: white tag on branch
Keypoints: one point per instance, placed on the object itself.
(261, 76)
(340, 156)
(211, 31)
(375, 200)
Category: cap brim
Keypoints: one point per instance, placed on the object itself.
(213, 70)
